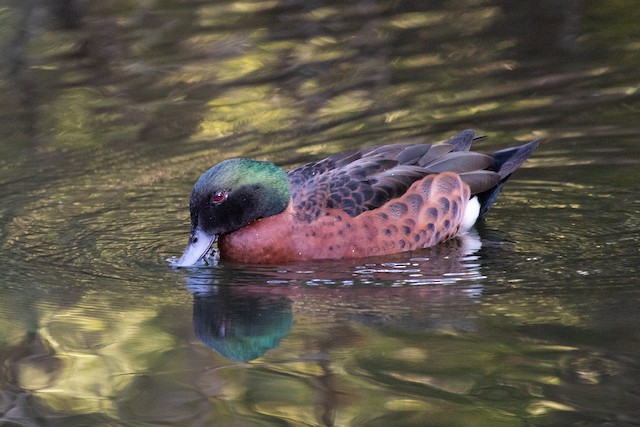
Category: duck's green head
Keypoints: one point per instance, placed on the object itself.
(229, 196)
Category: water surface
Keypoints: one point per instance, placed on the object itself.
(109, 113)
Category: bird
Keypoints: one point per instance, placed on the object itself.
(369, 202)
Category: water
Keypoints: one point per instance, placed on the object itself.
(110, 111)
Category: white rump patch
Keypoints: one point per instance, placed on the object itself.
(471, 213)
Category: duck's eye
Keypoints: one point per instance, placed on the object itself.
(218, 196)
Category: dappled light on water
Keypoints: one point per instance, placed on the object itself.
(111, 110)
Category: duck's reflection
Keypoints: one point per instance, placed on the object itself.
(241, 313)
(240, 326)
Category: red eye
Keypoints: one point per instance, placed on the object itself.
(219, 196)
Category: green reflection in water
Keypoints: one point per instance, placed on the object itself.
(240, 327)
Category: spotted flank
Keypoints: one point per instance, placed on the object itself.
(373, 201)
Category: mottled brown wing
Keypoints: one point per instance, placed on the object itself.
(368, 178)
(355, 182)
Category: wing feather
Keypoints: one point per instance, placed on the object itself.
(366, 179)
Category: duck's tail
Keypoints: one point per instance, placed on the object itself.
(507, 161)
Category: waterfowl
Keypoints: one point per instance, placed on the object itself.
(373, 201)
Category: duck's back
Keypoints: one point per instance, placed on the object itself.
(366, 179)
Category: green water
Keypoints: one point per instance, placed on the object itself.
(109, 112)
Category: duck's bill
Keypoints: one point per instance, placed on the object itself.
(198, 248)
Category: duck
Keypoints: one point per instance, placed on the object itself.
(369, 202)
